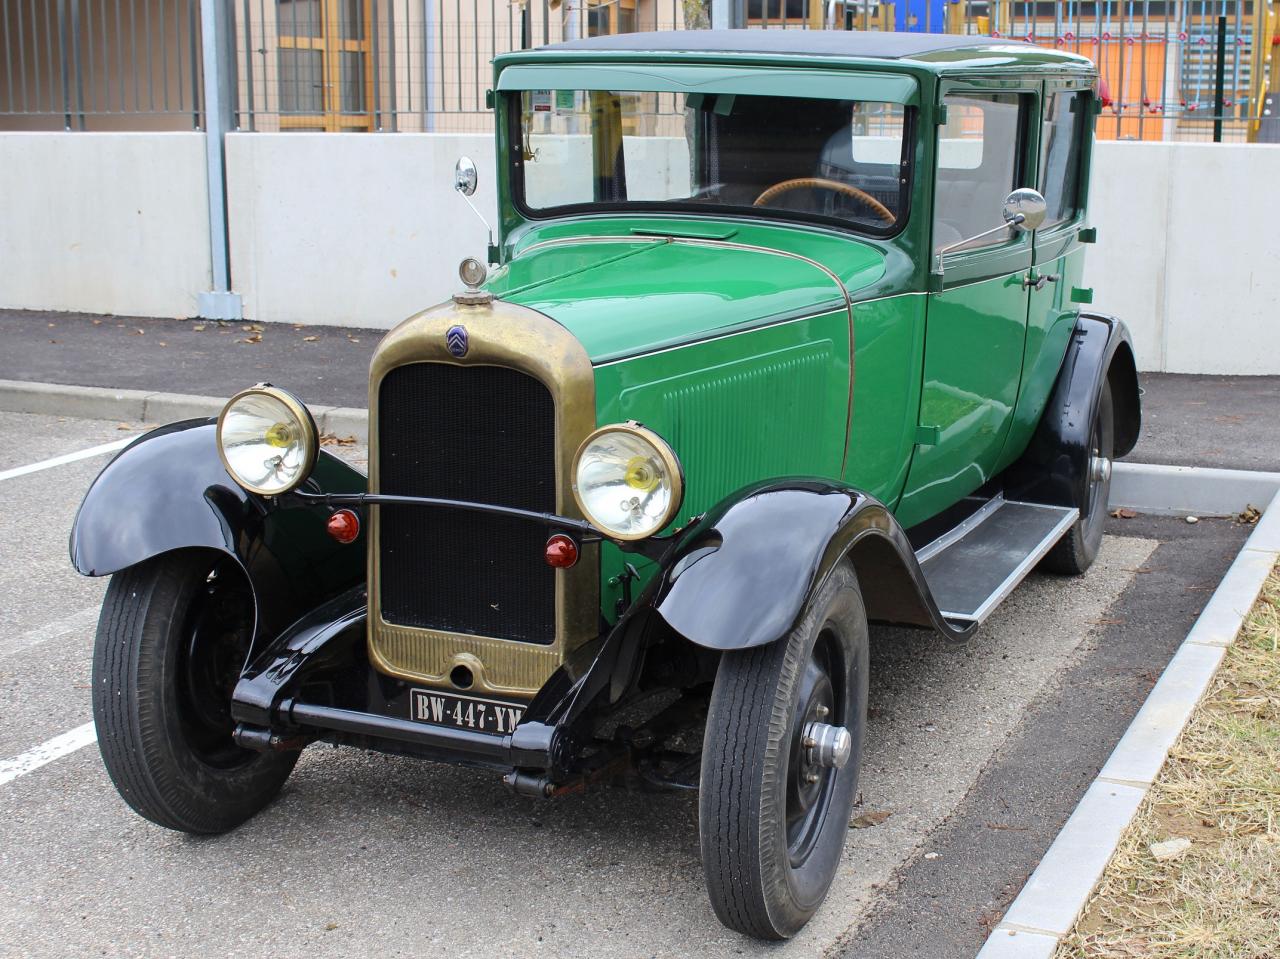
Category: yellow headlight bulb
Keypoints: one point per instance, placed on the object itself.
(279, 436)
(641, 473)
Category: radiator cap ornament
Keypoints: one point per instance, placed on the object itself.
(472, 273)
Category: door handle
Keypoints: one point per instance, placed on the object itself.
(1031, 279)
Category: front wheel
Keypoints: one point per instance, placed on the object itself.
(172, 638)
(780, 765)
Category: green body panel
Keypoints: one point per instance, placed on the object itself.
(974, 344)
(622, 294)
(888, 341)
(768, 402)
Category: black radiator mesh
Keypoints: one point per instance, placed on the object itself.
(484, 434)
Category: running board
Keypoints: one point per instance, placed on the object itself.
(973, 567)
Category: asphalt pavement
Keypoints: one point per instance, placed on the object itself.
(1226, 421)
(977, 754)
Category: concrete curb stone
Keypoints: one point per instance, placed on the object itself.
(1059, 889)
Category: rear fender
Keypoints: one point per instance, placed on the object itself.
(1054, 467)
(168, 490)
(744, 575)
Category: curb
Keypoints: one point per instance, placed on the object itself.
(144, 406)
(1190, 490)
(1048, 906)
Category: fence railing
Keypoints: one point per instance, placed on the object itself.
(388, 65)
(99, 64)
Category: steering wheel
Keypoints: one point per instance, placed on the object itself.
(819, 183)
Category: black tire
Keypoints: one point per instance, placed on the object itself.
(171, 638)
(768, 862)
(1077, 550)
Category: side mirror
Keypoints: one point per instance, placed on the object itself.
(1024, 210)
(465, 176)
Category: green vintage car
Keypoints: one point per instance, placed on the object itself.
(782, 334)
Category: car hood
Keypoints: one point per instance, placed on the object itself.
(641, 290)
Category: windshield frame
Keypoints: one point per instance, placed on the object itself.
(510, 104)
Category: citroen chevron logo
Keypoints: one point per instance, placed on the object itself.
(456, 341)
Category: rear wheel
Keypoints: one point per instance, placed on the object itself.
(780, 765)
(172, 638)
(1077, 550)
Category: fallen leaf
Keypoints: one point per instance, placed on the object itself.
(140, 332)
(1249, 515)
(330, 439)
(51, 326)
(1124, 513)
(251, 338)
(310, 339)
(199, 327)
(867, 820)
(123, 426)
(97, 322)
(354, 339)
(330, 926)
(1170, 848)
(163, 343)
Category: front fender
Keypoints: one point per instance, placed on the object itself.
(743, 575)
(168, 490)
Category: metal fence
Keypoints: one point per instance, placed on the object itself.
(386, 65)
(99, 64)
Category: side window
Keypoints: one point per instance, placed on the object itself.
(1061, 140)
(978, 151)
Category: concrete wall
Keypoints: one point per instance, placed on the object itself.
(1188, 252)
(351, 229)
(104, 223)
(363, 230)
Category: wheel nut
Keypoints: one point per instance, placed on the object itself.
(811, 778)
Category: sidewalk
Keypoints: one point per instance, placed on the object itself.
(1223, 421)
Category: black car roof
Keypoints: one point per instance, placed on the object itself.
(821, 43)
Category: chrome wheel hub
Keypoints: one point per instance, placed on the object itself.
(827, 746)
(1099, 469)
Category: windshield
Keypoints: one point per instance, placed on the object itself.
(797, 158)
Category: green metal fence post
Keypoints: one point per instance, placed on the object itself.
(1219, 99)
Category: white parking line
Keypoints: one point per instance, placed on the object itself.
(66, 458)
(45, 753)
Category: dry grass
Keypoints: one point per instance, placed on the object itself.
(1220, 789)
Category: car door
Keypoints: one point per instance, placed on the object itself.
(1067, 116)
(976, 319)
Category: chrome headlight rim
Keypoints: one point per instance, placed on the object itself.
(670, 462)
(310, 435)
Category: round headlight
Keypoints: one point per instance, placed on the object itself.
(627, 481)
(267, 440)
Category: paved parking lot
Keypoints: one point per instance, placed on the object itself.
(368, 854)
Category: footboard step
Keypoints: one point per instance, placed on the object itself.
(976, 565)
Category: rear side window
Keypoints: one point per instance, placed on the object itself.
(1062, 138)
(978, 151)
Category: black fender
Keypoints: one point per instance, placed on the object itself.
(1054, 467)
(742, 576)
(168, 490)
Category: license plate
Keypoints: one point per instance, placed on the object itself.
(464, 712)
